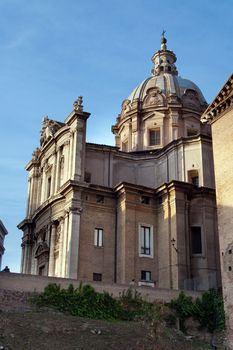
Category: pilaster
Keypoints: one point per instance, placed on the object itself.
(73, 243)
(51, 249)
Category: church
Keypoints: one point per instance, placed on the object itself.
(142, 211)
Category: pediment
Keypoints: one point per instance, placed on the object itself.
(155, 115)
(41, 249)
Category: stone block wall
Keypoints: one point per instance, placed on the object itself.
(30, 283)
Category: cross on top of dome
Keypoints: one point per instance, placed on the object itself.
(164, 59)
(163, 41)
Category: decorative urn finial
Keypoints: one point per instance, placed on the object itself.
(78, 104)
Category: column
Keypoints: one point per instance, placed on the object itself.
(22, 259)
(64, 249)
(58, 173)
(42, 186)
(71, 154)
(26, 263)
(51, 250)
(60, 258)
(75, 154)
(73, 243)
(54, 173)
(29, 197)
(79, 151)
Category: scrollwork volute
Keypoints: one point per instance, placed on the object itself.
(49, 128)
(125, 107)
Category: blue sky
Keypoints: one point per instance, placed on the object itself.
(52, 51)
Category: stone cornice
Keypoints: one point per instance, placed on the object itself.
(221, 103)
(41, 209)
(157, 153)
(2, 228)
(96, 146)
(76, 115)
(170, 186)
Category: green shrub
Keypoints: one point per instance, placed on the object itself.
(84, 301)
(183, 307)
(209, 311)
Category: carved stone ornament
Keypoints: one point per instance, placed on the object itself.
(173, 98)
(47, 167)
(125, 107)
(48, 130)
(175, 119)
(42, 249)
(78, 104)
(36, 154)
(191, 99)
(75, 210)
(153, 98)
(57, 238)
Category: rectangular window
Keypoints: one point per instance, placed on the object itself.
(193, 177)
(87, 177)
(154, 137)
(195, 180)
(146, 241)
(145, 200)
(98, 240)
(99, 198)
(192, 132)
(196, 239)
(146, 276)
(49, 187)
(97, 277)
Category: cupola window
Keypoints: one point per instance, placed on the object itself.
(193, 177)
(192, 132)
(154, 137)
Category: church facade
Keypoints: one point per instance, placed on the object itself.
(142, 211)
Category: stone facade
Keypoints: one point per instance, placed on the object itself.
(3, 233)
(220, 115)
(142, 212)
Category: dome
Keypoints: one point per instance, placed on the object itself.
(165, 80)
(163, 108)
(168, 84)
